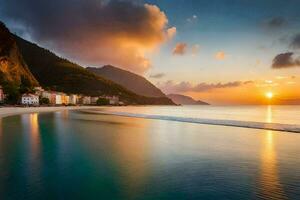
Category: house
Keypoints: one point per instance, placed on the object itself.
(38, 91)
(30, 99)
(73, 99)
(94, 100)
(58, 98)
(49, 95)
(1, 94)
(65, 99)
(114, 100)
(86, 100)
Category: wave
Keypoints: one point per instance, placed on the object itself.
(235, 123)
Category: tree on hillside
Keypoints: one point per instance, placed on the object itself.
(44, 101)
(12, 92)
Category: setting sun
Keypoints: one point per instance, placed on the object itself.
(269, 95)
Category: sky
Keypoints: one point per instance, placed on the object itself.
(219, 51)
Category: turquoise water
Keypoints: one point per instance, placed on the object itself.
(75, 155)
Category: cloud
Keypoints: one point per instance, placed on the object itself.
(285, 60)
(183, 48)
(94, 32)
(180, 49)
(171, 32)
(275, 22)
(295, 43)
(185, 86)
(158, 75)
(192, 18)
(220, 55)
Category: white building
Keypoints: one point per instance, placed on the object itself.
(58, 99)
(73, 99)
(30, 99)
(114, 100)
(94, 100)
(86, 100)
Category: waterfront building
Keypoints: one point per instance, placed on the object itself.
(49, 95)
(94, 100)
(65, 99)
(114, 100)
(86, 100)
(30, 99)
(73, 99)
(58, 99)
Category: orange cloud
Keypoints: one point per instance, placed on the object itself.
(180, 49)
(120, 33)
(171, 32)
(220, 55)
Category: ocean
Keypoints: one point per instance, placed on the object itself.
(152, 152)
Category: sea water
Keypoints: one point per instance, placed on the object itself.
(80, 155)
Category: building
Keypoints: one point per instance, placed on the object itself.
(30, 100)
(65, 99)
(38, 91)
(49, 95)
(1, 95)
(94, 100)
(86, 100)
(114, 100)
(73, 99)
(58, 99)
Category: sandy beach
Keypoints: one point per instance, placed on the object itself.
(8, 111)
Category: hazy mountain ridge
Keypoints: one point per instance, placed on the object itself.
(129, 80)
(13, 69)
(185, 100)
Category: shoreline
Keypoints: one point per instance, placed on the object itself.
(10, 111)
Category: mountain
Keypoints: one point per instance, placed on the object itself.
(129, 80)
(185, 100)
(53, 72)
(13, 69)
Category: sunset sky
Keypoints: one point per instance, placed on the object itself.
(220, 51)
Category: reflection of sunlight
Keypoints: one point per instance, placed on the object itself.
(270, 139)
(65, 114)
(271, 187)
(34, 132)
(131, 152)
(31, 133)
(269, 115)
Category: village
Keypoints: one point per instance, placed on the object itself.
(54, 98)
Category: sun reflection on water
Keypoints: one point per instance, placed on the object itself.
(270, 185)
(131, 152)
(269, 115)
(34, 132)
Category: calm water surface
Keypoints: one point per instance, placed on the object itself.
(74, 155)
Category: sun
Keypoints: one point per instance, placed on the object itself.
(269, 95)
